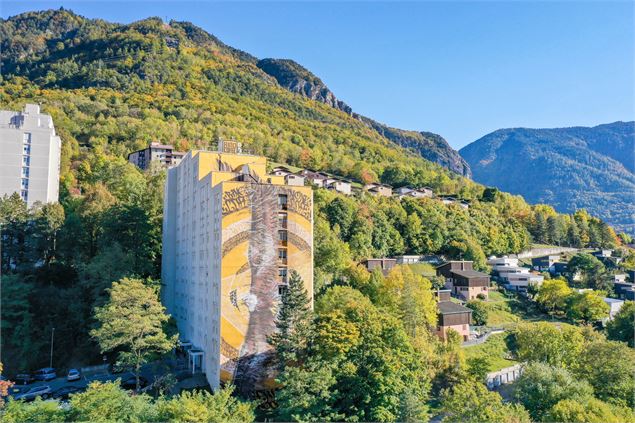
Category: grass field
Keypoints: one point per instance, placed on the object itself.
(424, 269)
(494, 349)
(507, 311)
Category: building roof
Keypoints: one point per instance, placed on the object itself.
(448, 307)
(469, 273)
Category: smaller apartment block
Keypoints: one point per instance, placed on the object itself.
(164, 155)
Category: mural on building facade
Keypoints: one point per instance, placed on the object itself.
(249, 288)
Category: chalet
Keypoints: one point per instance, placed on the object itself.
(452, 316)
(281, 171)
(614, 306)
(463, 280)
(424, 192)
(315, 178)
(340, 185)
(383, 264)
(294, 180)
(379, 189)
(544, 263)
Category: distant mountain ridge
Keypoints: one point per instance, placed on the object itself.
(299, 80)
(569, 168)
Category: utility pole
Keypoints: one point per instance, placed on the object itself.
(52, 339)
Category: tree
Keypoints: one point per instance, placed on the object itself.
(544, 342)
(553, 295)
(471, 401)
(608, 367)
(293, 323)
(542, 386)
(479, 312)
(201, 406)
(132, 320)
(591, 270)
(588, 306)
(107, 402)
(36, 411)
(591, 410)
(622, 327)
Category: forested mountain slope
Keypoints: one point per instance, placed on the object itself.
(298, 79)
(569, 168)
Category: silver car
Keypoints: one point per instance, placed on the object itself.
(43, 391)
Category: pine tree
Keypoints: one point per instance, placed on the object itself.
(293, 324)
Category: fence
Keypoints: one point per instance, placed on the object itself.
(503, 376)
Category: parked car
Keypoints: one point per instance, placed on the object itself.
(47, 373)
(23, 379)
(73, 374)
(131, 382)
(64, 392)
(15, 390)
(43, 391)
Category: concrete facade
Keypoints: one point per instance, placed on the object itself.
(231, 235)
(30, 155)
(162, 154)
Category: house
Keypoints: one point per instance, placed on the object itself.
(602, 253)
(522, 281)
(544, 263)
(432, 259)
(424, 192)
(379, 189)
(452, 316)
(448, 200)
(614, 306)
(315, 178)
(464, 204)
(620, 277)
(502, 262)
(463, 280)
(624, 290)
(383, 264)
(281, 171)
(340, 185)
(294, 180)
(504, 271)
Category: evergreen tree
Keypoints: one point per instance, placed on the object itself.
(293, 324)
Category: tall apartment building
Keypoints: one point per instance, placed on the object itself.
(29, 155)
(231, 235)
(159, 153)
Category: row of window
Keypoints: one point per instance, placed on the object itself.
(26, 162)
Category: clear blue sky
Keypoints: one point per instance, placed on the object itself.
(460, 69)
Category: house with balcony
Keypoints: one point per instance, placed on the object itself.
(463, 281)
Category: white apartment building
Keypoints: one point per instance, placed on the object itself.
(29, 155)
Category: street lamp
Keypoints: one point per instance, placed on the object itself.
(52, 339)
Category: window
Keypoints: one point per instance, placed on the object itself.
(282, 290)
(26, 138)
(282, 236)
(282, 273)
(282, 201)
(25, 195)
(282, 220)
(25, 172)
(26, 149)
(282, 254)
(26, 160)
(24, 183)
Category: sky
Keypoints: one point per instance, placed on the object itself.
(457, 68)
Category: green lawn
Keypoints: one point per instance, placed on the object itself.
(507, 311)
(494, 349)
(423, 269)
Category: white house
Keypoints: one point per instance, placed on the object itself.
(614, 306)
(504, 261)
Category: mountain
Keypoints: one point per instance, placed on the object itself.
(569, 168)
(297, 79)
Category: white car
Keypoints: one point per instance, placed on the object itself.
(73, 374)
(43, 391)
